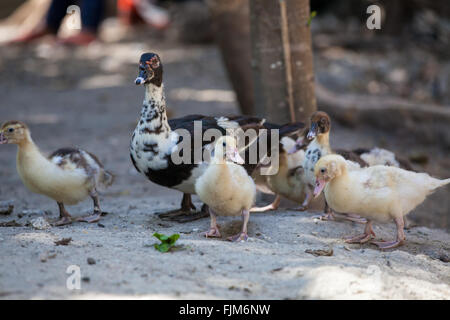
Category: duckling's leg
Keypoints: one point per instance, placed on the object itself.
(363, 238)
(328, 213)
(97, 214)
(214, 228)
(64, 216)
(306, 202)
(242, 236)
(185, 213)
(273, 206)
(400, 236)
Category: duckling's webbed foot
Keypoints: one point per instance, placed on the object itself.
(214, 228)
(273, 206)
(64, 217)
(185, 213)
(400, 237)
(242, 236)
(97, 214)
(363, 238)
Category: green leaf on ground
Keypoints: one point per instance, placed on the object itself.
(167, 243)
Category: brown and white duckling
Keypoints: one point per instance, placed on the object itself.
(68, 175)
(378, 193)
(287, 182)
(226, 187)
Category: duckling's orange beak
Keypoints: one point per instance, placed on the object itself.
(3, 139)
(320, 184)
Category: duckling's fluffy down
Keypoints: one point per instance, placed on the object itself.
(226, 188)
(65, 179)
(379, 192)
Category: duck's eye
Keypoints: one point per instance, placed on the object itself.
(224, 144)
(323, 170)
(11, 130)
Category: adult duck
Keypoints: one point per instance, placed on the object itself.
(155, 139)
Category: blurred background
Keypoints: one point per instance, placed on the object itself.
(69, 74)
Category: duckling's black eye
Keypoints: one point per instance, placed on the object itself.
(323, 170)
(11, 130)
(224, 144)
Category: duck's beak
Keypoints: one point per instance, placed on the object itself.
(141, 78)
(3, 139)
(320, 184)
(235, 156)
(312, 131)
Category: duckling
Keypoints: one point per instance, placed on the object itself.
(378, 193)
(226, 187)
(287, 182)
(68, 175)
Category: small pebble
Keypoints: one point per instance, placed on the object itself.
(40, 224)
(91, 260)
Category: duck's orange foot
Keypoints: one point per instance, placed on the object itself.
(91, 218)
(388, 244)
(212, 233)
(63, 221)
(238, 237)
(362, 238)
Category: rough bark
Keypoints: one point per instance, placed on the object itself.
(232, 32)
(282, 59)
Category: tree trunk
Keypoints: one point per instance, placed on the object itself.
(283, 75)
(231, 26)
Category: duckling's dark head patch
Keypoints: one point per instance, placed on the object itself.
(150, 70)
(320, 124)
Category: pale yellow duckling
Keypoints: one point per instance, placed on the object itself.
(378, 193)
(68, 175)
(226, 187)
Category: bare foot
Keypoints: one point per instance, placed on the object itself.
(83, 38)
(31, 36)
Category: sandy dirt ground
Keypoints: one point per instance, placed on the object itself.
(86, 98)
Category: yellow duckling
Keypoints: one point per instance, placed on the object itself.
(226, 187)
(67, 176)
(377, 193)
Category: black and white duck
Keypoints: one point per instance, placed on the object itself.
(67, 176)
(155, 139)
